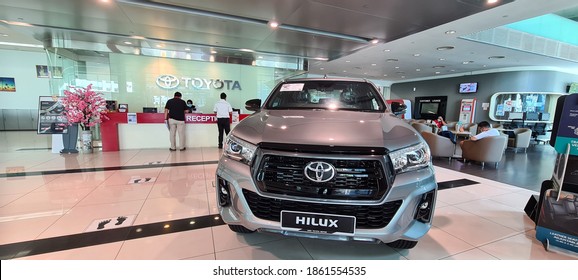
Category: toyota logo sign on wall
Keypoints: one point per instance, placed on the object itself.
(167, 81)
(319, 171)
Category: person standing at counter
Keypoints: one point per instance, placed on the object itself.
(223, 109)
(175, 110)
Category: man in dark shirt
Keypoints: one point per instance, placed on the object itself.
(175, 110)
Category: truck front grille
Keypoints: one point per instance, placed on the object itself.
(367, 216)
(353, 180)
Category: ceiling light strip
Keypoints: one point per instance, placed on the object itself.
(324, 33)
(21, 45)
(193, 11)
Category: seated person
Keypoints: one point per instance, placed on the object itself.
(445, 133)
(486, 131)
(190, 107)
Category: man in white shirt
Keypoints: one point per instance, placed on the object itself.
(223, 109)
(486, 131)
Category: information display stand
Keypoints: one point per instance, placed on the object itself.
(557, 219)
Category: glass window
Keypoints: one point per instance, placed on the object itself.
(531, 106)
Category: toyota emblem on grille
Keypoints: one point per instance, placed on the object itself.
(167, 81)
(319, 171)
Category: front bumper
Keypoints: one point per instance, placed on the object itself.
(405, 196)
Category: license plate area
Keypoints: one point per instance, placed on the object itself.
(318, 223)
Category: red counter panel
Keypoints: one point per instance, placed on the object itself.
(109, 128)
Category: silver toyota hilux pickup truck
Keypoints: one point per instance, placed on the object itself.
(327, 158)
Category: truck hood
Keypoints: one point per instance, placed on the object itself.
(327, 128)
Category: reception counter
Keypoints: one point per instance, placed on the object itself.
(150, 131)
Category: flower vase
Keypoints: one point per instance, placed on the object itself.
(86, 141)
(69, 140)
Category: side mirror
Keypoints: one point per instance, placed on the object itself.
(398, 108)
(253, 105)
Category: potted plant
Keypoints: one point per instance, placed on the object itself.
(84, 107)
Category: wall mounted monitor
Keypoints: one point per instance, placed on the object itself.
(149, 109)
(468, 87)
(544, 116)
(531, 116)
(429, 108)
(516, 116)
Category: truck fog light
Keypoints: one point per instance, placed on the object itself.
(224, 192)
(424, 211)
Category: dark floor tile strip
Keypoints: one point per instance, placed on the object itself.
(54, 244)
(455, 184)
(39, 149)
(61, 243)
(99, 169)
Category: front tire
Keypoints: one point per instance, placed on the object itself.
(240, 229)
(402, 244)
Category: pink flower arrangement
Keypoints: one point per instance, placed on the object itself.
(84, 106)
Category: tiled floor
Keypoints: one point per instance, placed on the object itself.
(49, 214)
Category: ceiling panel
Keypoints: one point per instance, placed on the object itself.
(405, 28)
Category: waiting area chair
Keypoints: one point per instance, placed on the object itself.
(488, 149)
(521, 139)
(421, 127)
(471, 127)
(439, 146)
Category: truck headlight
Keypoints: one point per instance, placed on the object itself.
(411, 158)
(238, 149)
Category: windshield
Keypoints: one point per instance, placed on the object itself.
(331, 95)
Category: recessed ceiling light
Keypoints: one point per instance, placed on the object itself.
(497, 57)
(418, 70)
(467, 62)
(374, 41)
(416, 54)
(373, 64)
(187, 49)
(386, 50)
(273, 24)
(438, 66)
(321, 68)
(344, 71)
(348, 61)
(445, 48)
(442, 59)
(392, 60)
(438, 72)
(127, 43)
(385, 75)
(403, 77)
(396, 67)
(450, 32)
(260, 57)
(213, 52)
